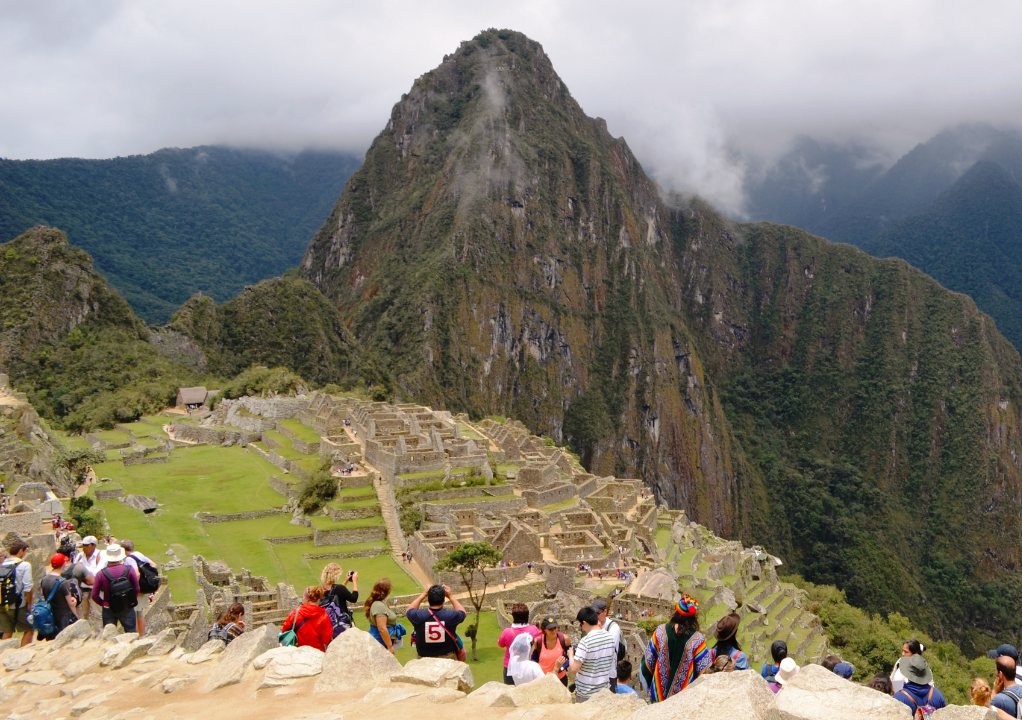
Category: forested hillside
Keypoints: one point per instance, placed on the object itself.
(161, 227)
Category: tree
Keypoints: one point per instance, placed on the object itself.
(468, 560)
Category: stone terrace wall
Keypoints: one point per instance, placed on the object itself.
(549, 495)
(446, 513)
(348, 535)
(214, 435)
(279, 408)
(23, 523)
(205, 517)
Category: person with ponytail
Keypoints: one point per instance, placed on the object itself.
(381, 618)
(310, 622)
(677, 653)
(908, 649)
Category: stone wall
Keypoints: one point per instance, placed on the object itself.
(214, 435)
(288, 490)
(497, 506)
(109, 494)
(205, 517)
(22, 524)
(348, 535)
(549, 495)
(353, 513)
(142, 459)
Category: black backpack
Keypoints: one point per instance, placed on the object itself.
(148, 576)
(9, 595)
(121, 594)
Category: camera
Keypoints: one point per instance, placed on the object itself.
(351, 574)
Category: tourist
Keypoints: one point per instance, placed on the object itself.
(594, 656)
(908, 649)
(57, 590)
(676, 653)
(522, 669)
(309, 621)
(778, 651)
(552, 650)
(918, 691)
(519, 625)
(1009, 650)
(116, 589)
(338, 593)
(436, 628)
(88, 562)
(844, 669)
(16, 592)
(881, 683)
(980, 692)
(727, 642)
(137, 561)
(601, 607)
(624, 679)
(1008, 691)
(229, 625)
(382, 620)
(786, 670)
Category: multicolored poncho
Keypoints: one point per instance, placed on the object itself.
(694, 660)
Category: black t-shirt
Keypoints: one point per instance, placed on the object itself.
(62, 612)
(428, 642)
(341, 596)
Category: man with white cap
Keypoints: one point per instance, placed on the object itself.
(86, 563)
(116, 589)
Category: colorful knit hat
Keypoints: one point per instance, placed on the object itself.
(687, 606)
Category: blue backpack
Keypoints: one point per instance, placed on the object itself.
(43, 621)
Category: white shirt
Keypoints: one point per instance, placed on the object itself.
(130, 560)
(614, 629)
(93, 564)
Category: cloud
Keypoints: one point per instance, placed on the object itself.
(692, 85)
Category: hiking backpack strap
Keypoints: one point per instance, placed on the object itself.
(49, 598)
(911, 699)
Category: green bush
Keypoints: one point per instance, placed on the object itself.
(317, 491)
(261, 380)
(88, 520)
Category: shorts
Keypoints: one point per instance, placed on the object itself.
(12, 620)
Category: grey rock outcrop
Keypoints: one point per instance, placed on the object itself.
(747, 694)
(238, 656)
(438, 673)
(291, 664)
(80, 631)
(140, 502)
(355, 648)
(965, 712)
(816, 693)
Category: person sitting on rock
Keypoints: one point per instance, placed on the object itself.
(383, 622)
(918, 692)
(436, 628)
(521, 668)
(310, 622)
(676, 653)
(63, 604)
(980, 692)
(229, 625)
(908, 648)
(778, 651)
(727, 642)
(881, 683)
(519, 625)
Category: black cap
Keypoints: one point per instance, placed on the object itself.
(548, 622)
(1005, 649)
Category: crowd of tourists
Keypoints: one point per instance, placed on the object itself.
(118, 579)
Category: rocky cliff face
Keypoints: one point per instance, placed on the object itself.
(505, 254)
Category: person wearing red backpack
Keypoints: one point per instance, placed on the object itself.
(918, 694)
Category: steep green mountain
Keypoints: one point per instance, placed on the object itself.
(72, 344)
(164, 226)
(970, 240)
(283, 322)
(502, 253)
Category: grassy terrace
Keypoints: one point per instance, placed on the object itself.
(300, 430)
(558, 506)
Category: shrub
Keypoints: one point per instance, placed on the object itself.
(317, 491)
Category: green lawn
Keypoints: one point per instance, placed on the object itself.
(467, 432)
(663, 538)
(113, 437)
(366, 491)
(562, 505)
(300, 430)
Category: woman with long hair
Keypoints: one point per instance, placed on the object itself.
(381, 618)
(677, 653)
(727, 642)
(335, 589)
(310, 622)
(230, 624)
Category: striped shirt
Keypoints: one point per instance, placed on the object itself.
(597, 652)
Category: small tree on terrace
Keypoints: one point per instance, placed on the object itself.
(470, 560)
(79, 462)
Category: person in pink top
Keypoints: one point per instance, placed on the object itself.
(519, 624)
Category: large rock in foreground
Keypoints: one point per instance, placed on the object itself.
(352, 649)
(748, 697)
(816, 693)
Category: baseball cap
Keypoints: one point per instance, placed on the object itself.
(548, 622)
(1005, 649)
(58, 560)
(599, 605)
(88, 540)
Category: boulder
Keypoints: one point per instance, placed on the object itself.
(88, 703)
(41, 677)
(17, 659)
(240, 654)
(399, 692)
(547, 690)
(296, 662)
(965, 712)
(817, 693)
(81, 631)
(436, 672)
(81, 662)
(163, 642)
(173, 684)
(139, 502)
(607, 706)
(747, 696)
(492, 694)
(355, 648)
(206, 652)
(109, 632)
(123, 653)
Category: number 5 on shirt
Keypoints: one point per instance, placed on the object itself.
(434, 632)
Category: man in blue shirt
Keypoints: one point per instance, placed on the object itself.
(917, 691)
(1009, 692)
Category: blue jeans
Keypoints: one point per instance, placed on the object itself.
(125, 617)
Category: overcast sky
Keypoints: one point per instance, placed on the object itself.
(687, 83)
